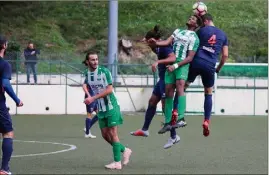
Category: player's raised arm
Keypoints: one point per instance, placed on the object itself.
(166, 42)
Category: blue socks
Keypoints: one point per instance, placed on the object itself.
(207, 106)
(89, 123)
(7, 149)
(148, 117)
(173, 133)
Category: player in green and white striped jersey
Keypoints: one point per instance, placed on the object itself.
(185, 44)
(109, 115)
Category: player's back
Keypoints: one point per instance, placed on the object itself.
(5, 72)
(212, 40)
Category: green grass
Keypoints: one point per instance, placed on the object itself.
(65, 24)
(237, 145)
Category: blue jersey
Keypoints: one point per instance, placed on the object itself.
(5, 73)
(162, 53)
(212, 39)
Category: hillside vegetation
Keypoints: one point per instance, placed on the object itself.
(71, 28)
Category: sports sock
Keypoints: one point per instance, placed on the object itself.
(87, 125)
(148, 117)
(117, 146)
(94, 120)
(181, 106)
(173, 133)
(168, 109)
(207, 106)
(7, 149)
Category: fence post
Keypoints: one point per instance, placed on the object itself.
(66, 93)
(254, 96)
(17, 77)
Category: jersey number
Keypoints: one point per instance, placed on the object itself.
(212, 40)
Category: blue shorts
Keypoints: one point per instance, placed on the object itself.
(159, 89)
(91, 107)
(5, 121)
(205, 70)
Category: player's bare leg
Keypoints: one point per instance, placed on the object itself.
(207, 110)
(152, 105)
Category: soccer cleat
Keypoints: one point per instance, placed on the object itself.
(126, 156)
(5, 172)
(90, 135)
(114, 165)
(180, 123)
(171, 142)
(206, 130)
(140, 132)
(166, 127)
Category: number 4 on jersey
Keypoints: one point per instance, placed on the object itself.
(212, 40)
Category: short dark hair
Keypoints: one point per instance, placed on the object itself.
(199, 20)
(207, 16)
(155, 33)
(92, 52)
(3, 41)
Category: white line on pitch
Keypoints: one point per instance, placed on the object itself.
(71, 148)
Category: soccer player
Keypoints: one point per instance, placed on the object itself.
(213, 41)
(165, 56)
(5, 120)
(185, 43)
(91, 108)
(109, 116)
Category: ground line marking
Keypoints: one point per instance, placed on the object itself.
(71, 148)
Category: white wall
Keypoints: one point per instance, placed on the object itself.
(37, 97)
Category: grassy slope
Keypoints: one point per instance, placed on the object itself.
(66, 24)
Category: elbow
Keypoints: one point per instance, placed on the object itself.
(225, 57)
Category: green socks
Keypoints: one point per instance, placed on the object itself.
(117, 149)
(168, 109)
(181, 106)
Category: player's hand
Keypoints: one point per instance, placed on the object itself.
(217, 70)
(170, 68)
(20, 104)
(152, 42)
(154, 66)
(88, 100)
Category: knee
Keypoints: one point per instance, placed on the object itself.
(208, 91)
(9, 135)
(152, 102)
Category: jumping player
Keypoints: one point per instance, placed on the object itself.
(165, 56)
(6, 127)
(185, 43)
(109, 116)
(213, 41)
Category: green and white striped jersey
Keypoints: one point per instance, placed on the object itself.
(98, 81)
(184, 40)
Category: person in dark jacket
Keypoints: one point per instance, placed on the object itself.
(30, 54)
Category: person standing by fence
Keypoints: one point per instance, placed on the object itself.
(30, 54)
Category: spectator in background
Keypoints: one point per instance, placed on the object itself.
(30, 54)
